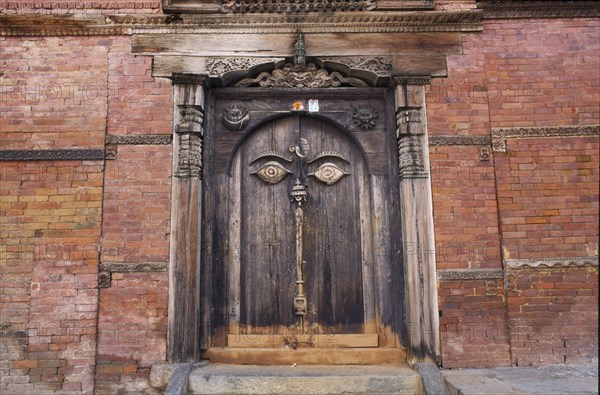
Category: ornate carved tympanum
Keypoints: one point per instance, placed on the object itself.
(300, 76)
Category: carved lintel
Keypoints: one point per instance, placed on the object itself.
(551, 262)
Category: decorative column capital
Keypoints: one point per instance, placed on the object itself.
(408, 121)
(191, 119)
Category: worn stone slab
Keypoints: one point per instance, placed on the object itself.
(252, 379)
(550, 380)
(433, 382)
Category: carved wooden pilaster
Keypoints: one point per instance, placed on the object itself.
(417, 220)
(184, 260)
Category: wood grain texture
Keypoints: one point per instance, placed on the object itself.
(317, 44)
(352, 246)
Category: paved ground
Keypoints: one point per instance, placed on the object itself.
(551, 380)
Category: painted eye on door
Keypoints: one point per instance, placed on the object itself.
(329, 173)
(272, 172)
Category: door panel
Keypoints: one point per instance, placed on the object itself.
(331, 232)
(351, 244)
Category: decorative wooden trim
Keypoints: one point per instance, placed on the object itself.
(133, 267)
(217, 66)
(538, 9)
(189, 79)
(551, 262)
(389, 22)
(52, 154)
(500, 135)
(399, 80)
(328, 340)
(459, 140)
(140, 139)
(469, 274)
(292, 7)
(80, 5)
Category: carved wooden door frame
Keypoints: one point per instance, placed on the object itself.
(420, 288)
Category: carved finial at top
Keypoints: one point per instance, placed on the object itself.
(299, 50)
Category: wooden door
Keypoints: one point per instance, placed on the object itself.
(316, 160)
(350, 247)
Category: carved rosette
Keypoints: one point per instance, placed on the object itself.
(410, 143)
(365, 118)
(236, 117)
(190, 135)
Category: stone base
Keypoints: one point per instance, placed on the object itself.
(252, 379)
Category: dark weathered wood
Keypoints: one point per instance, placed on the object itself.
(320, 44)
(352, 248)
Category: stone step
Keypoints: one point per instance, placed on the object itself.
(315, 379)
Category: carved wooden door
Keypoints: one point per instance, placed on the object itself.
(301, 194)
(301, 246)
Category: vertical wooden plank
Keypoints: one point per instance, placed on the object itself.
(366, 241)
(234, 248)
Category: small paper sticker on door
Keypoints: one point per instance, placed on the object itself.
(313, 105)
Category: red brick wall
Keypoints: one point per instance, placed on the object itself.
(553, 315)
(132, 331)
(548, 197)
(50, 215)
(543, 191)
(464, 209)
(473, 323)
